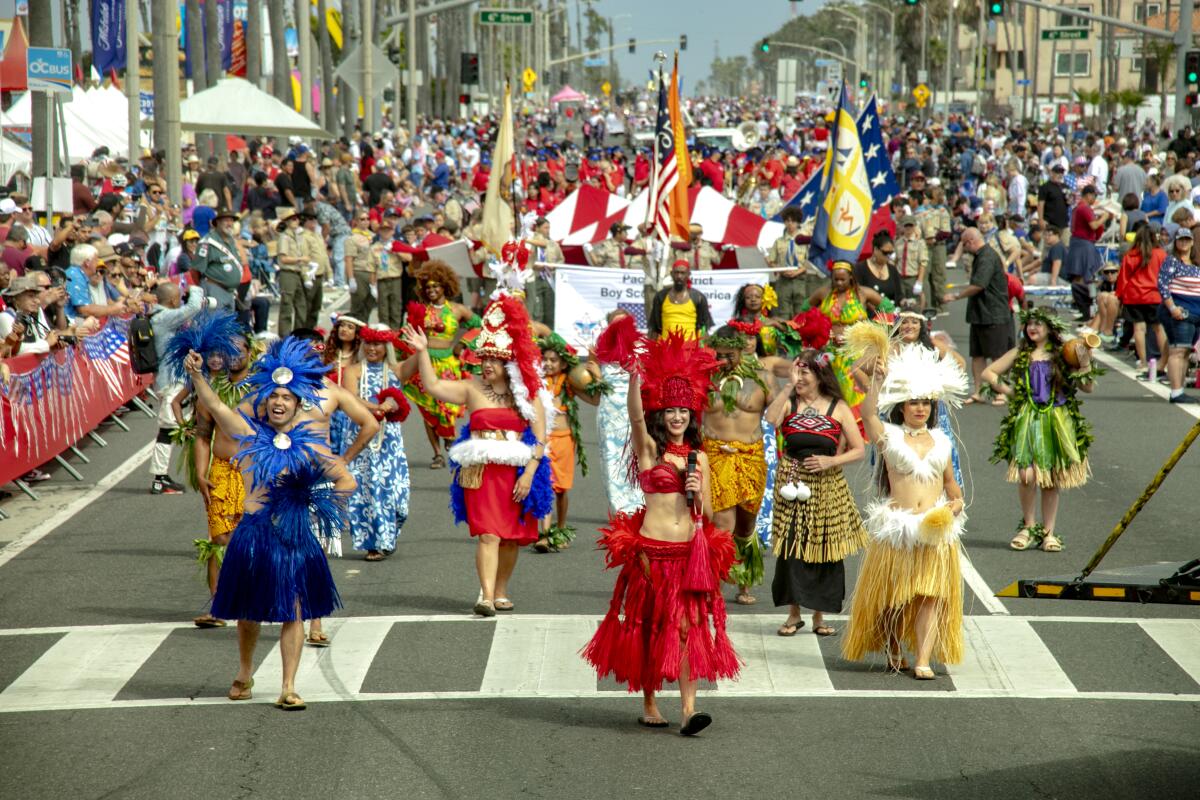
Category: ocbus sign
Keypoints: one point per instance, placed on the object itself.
(48, 69)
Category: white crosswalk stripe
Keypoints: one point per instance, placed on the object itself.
(537, 656)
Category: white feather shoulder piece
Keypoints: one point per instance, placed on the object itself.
(902, 458)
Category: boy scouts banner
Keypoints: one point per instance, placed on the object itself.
(583, 296)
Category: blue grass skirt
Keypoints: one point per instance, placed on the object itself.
(268, 570)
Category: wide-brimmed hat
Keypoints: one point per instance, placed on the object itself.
(225, 213)
(282, 215)
(20, 285)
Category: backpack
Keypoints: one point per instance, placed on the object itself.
(143, 356)
(979, 165)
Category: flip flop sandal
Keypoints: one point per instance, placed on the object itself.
(695, 723)
(242, 690)
(290, 702)
(318, 640)
(652, 722)
(502, 604)
(208, 622)
(795, 626)
(824, 630)
(745, 599)
(438, 462)
(1022, 541)
(924, 673)
(484, 609)
(1051, 544)
(374, 556)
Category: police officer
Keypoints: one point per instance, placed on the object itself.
(219, 261)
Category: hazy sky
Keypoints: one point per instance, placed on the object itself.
(733, 25)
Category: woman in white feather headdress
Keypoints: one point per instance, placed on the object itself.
(909, 591)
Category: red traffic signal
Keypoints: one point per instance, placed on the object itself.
(464, 99)
(1191, 99)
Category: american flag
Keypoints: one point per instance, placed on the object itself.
(108, 350)
(637, 311)
(666, 172)
(884, 185)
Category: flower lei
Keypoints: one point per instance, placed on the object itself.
(730, 382)
(558, 386)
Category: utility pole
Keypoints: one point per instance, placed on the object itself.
(948, 83)
(166, 93)
(194, 29)
(254, 49)
(977, 68)
(1183, 44)
(410, 51)
(133, 83)
(212, 66)
(41, 34)
(367, 21)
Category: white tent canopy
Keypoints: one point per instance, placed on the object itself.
(94, 118)
(13, 157)
(236, 106)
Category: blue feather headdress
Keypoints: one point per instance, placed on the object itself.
(273, 453)
(289, 364)
(208, 333)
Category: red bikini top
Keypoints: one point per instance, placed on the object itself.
(661, 479)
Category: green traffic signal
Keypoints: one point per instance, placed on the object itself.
(996, 8)
(765, 46)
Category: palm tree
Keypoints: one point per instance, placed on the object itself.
(282, 75)
(1162, 52)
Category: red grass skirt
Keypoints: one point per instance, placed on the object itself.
(666, 609)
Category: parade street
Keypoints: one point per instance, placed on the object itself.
(108, 691)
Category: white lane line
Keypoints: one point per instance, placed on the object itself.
(331, 673)
(39, 531)
(84, 667)
(539, 655)
(468, 619)
(1181, 642)
(1117, 365)
(774, 663)
(837, 694)
(978, 585)
(1007, 655)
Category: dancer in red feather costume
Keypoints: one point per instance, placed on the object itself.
(666, 621)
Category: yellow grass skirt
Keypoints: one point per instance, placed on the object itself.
(894, 574)
(822, 529)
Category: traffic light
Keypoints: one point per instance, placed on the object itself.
(765, 45)
(683, 41)
(632, 45)
(1191, 99)
(470, 68)
(464, 99)
(864, 81)
(1191, 66)
(995, 8)
(911, 2)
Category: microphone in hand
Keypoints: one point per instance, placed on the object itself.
(691, 470)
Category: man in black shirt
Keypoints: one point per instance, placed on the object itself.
(302, 178)
(283, 183)
(988, 312)
(376, 183)
(1053, 208)
(213, 178)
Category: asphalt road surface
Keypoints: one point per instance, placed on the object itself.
(107, 691)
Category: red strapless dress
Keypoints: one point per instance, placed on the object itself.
(666, 608)
(491, 508)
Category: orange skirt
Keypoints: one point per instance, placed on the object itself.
(562, 460)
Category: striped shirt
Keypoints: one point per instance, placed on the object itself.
(1179, 279)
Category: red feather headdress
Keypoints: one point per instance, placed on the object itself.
(621, 343)
(676, 372)
(507, 334)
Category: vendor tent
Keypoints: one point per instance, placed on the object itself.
(568, 95)
(234, 105)
(14, 157)
(12, 65)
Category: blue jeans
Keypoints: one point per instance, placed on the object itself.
(337, 245)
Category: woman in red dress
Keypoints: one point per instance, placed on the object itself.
(666, 620)
(501, 482)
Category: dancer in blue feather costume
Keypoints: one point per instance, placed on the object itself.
(274, 568)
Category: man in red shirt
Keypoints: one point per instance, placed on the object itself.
(711, 168)
(641, 172)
